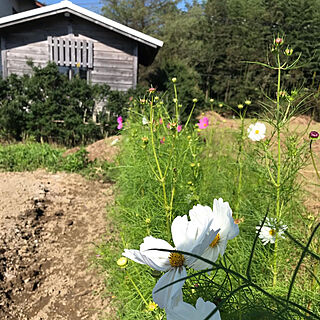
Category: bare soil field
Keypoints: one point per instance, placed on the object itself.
(48, 226)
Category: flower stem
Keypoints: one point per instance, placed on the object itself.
(137, 289)
(240, 165)
(176, 102)
(278, 184)
(313, 161)
(189, 117)
(161, 177)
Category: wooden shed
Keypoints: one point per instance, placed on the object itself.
(8, 7)
(79, 41)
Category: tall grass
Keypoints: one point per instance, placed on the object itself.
(163, 173)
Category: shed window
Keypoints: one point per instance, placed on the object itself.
(74, 71)
(71, 52)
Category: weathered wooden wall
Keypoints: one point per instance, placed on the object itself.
(28, 41)
(114, 56)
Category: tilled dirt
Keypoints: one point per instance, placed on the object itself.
(48, 226)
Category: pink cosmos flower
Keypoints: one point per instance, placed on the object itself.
(120, 124)
(160, 121)
(179, 127)
(203, 123)
(168, 126)
(162, 141)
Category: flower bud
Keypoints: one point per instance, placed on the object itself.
(282, 93)
(195, 100)
(156, 274)
(240, 106)
(211, 100)
(152, 90)
(314, 135)
(278, 40)
(122, 262)
(174, 80)
(288, 52)
(247, 102)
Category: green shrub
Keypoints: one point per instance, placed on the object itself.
(52, 108)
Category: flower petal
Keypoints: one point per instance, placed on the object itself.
(181, 232)
(181, 311)
(202, 244)
(185, 311)
(211, 254)
(205, 308)
(158, 260)
(169, 296)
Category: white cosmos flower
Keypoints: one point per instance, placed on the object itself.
(257, 131)
(270, 230)
(145, 121)
(186, 237)
(185, 311)
(221, 218)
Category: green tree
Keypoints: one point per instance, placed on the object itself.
(143, 15)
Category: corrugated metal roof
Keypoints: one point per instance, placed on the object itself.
(68, 6)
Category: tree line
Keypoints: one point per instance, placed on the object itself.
(210, 42)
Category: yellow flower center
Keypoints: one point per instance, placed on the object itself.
(257, 131)
(176, 259)
(215, 241)
(272, 232)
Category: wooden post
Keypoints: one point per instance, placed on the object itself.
(73, 52)
(90, 54)
(50, 48)
(135, 66)
(4, 58)
(84, 54)
(79, 53)
(67, 52)
(55, 51)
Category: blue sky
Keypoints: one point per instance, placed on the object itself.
(93, 5)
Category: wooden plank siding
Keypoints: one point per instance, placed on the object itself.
(18, 57)
(110, 57)
(114, 55)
